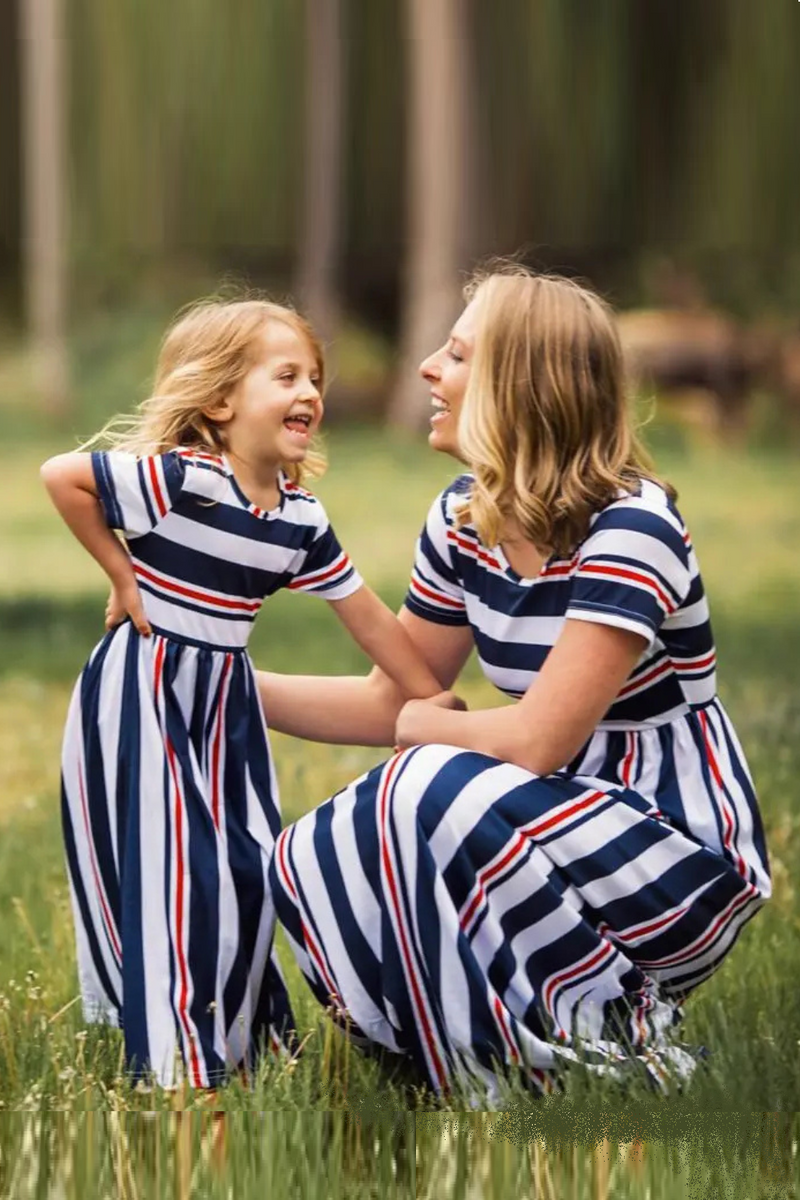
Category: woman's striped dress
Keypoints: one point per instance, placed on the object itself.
(169, 801)
(467, 913)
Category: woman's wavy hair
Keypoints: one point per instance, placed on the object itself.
(205, 353)
(545, 426)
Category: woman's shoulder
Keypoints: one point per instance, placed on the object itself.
(454, 495)
(647, 508)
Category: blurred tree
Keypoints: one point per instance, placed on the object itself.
(9, 159)
(439, 95)
(45, 194)
(323, 216)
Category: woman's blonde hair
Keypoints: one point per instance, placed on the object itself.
(545, 426)
(204, 354)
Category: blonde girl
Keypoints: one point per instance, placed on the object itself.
(169, 802)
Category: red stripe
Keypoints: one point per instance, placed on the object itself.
(424, 1023)
(542, 827)
(690, 952)
(98, 883)
(474, 546)
(627, 762)
(179, 920)
(621, 572)
(215, 753)
(214, 458)
(193, 593)
(498, 1011)
(162, 508)
(663, 668)
(304, 580)
(489, 873)
(306, 932)
(640, 931)
(728, 838)
(582, 968)
(438, 596)
(695, 664)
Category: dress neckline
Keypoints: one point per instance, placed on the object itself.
(522, 580)
(264, 514)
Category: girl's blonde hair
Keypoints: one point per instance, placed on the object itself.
(208, 349)
(545, 426)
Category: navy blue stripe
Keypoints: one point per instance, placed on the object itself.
(176, 601)
(82, 901)
(129, 851)
(106, 490)
(151, 514)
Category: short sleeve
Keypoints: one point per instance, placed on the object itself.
(326, 570)
(435, 591)
(137, 492)
(633, 569)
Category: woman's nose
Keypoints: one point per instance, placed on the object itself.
(429, 367)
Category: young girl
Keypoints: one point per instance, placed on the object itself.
(169, 800)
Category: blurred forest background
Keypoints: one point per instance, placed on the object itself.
(360, 156)
(363, 154)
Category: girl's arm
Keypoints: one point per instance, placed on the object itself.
(361, 710)
(376, 629)
(69, 478)
(578, 683)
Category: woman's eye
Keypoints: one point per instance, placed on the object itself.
(455, 357)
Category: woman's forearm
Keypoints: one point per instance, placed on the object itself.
(345, 709)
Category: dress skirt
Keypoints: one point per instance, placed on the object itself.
(170, 815)
(475, 917)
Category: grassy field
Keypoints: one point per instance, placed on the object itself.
(69, 1114)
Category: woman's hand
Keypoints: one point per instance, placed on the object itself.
(125, 600)
(414, 716)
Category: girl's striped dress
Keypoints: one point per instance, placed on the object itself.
(169, 799)
(467, 913)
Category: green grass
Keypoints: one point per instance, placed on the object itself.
(61, 1085)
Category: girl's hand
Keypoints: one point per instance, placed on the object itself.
(412, 716)
(125, 600)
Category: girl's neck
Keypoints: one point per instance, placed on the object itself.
(258, 480)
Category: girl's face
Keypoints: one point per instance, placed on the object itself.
(447, 372)
(273, 413)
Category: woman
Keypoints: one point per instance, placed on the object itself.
(531, 884)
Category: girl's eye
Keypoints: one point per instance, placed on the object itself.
(287, 375)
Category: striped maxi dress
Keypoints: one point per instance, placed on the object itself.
(169, 800)
(473, 916)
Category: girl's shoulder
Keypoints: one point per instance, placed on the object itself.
(205, 474)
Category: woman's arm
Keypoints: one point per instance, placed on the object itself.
(360, 710)
(69, 478)
(578, 683)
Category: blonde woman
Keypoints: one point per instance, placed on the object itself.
(530, 884)
(169, 803)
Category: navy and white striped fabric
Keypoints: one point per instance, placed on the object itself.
(169, 799)
(470, 914)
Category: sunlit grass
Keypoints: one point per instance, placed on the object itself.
(72, 1126)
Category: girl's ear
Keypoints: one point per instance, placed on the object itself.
(220, 411)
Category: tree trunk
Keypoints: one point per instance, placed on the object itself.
(45, 194)
(437, 166)
(320, 247)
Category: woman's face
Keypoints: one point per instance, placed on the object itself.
(447, 372)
